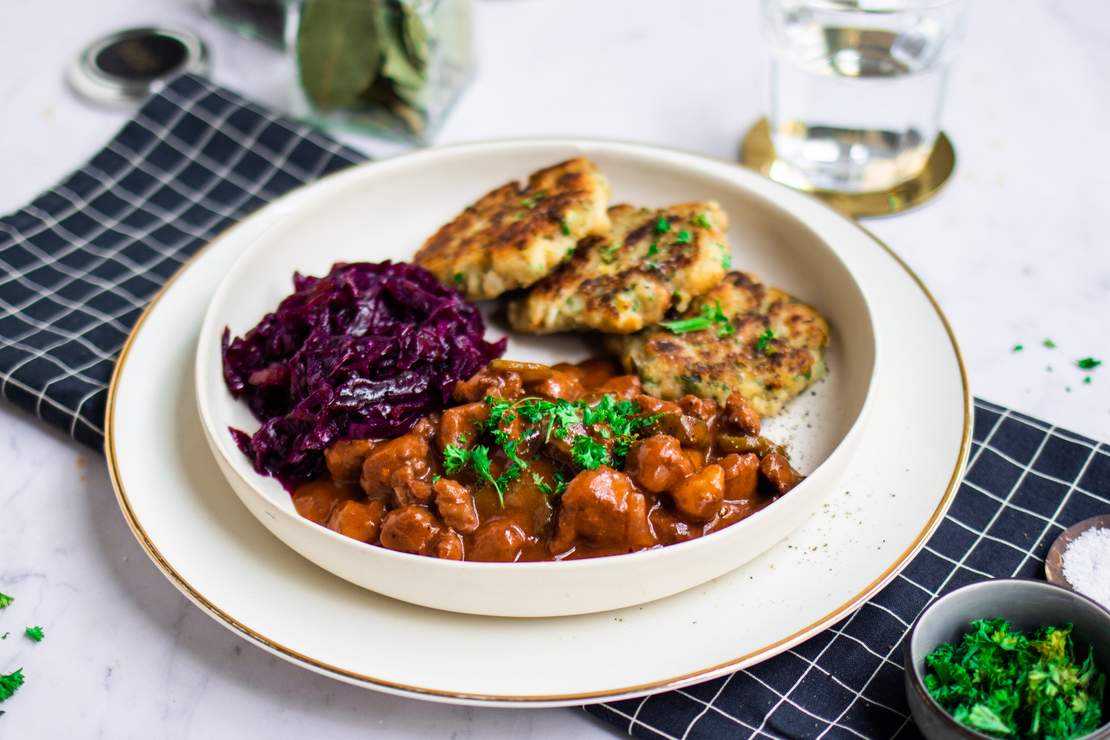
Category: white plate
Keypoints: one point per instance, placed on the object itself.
(911, 452)
(383, 211)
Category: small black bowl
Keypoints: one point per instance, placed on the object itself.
(1026, 604)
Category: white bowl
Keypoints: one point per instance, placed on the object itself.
(384, 210)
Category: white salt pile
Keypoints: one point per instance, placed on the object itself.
(1087, 564)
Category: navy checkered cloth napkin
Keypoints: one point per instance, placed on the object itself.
(80, 262)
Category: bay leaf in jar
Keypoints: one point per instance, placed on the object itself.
(338, 51)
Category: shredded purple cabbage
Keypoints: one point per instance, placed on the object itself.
(361, 353)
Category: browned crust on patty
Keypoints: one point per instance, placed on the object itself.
(767, 373)
(515, 235)
(631, 277)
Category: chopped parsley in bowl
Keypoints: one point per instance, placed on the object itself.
(1005, 682)
(1012, 658)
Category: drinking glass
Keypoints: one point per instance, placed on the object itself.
(857, 88)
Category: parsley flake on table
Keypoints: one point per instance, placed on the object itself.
(1007, 683)
(34, 633)
(1088, 363)
(1049, 344)
(1018, 348)
(10, 683)
(5, 600)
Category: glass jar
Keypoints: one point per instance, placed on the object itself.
(389, 67)
(262, 20)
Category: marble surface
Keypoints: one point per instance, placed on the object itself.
(1012, 249)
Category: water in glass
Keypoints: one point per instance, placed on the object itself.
(856, 93)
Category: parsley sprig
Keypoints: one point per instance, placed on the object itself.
(5, 600)
(710, 316)
(10, 683)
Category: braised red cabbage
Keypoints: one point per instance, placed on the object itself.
(361, 353)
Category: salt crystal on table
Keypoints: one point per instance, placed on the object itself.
(1087, 564)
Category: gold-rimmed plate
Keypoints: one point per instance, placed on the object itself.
(911, 453)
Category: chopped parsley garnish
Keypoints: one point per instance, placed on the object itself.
(702, 221)
(569, 253)
(459, 278)
(1018, 347)
(1003, 682)
(35, 633)
(564, 227)
(764, 342)
(726, 262)
(662, 226)
(653, 249)
(609, 253)
(10, 683)
(532, 200)
(5, 600)
(1088, 363)
(541, 484)
(683, 237)
(1049, 344)
(479, 460)
(599, 433)
(588, 453)
(455, 459)
(710, 316)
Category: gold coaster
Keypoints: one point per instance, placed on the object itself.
(757, 153)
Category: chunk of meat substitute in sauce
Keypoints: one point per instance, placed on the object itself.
(487, 382)
(658, 463)
(497, 541)
(314, 501)
(741, 475)
(559, 386)
(461, 423)
(345, 458)
(742, 415)
(410, 529)
(624, 387)
(449, 546)
(699, 496)
(358, 520)
(603, 508)
(776, 469)
(455, 505)
(401, 468)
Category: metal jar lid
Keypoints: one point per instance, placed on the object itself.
(126, 66)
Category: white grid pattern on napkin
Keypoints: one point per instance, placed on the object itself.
(1026, 482)
(78, 265)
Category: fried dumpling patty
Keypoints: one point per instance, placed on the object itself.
(516, 235)
(764, 343)
(650, 262)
